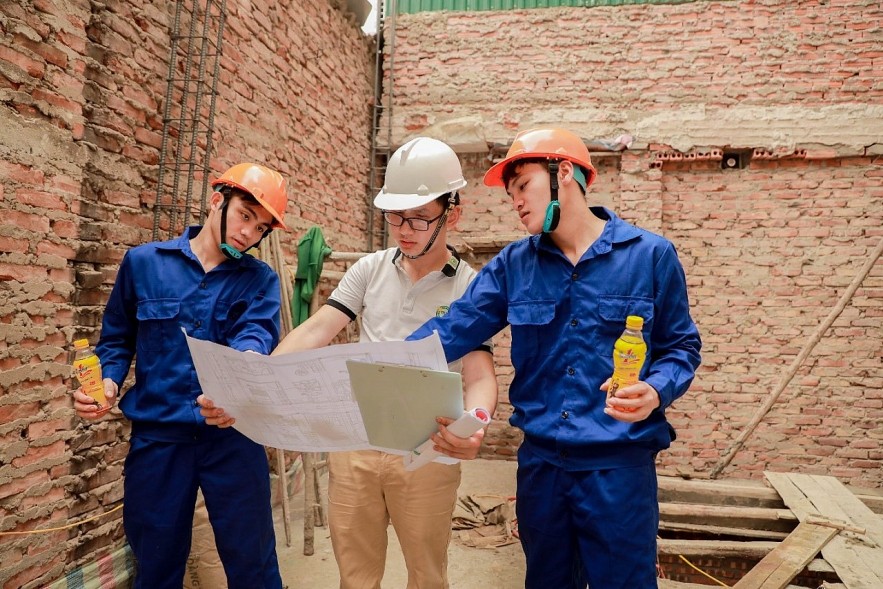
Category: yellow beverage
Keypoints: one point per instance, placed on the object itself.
(629, 353)
(87, 371)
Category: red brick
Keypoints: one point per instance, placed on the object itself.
(17, 485)
(31, 67)
(39, 199)
(21, 173)
(59, 101)
(148, 137)
(58, 249)
(22, 273)
(36, 454)
(27, 221)
(64, 229)
(49, 53)
(12, 244)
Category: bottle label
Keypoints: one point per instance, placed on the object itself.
(628, 359)
(88, 374)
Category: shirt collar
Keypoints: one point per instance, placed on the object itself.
(615, 231)
(182, 244)
(450, 267)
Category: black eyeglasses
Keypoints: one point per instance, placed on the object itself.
(415, 223)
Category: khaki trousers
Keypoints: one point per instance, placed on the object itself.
(367, 490)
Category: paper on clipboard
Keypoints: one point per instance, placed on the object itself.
(399, 404)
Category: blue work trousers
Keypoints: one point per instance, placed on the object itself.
(161, 480)
(595, 527)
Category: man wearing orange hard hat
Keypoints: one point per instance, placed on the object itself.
(205, 284)
(586, 497)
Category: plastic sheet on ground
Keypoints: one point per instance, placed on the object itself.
(484, 521)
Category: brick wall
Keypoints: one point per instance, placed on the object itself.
(765, 73)
(82, 88)
(768, 249)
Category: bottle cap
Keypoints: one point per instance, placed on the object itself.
(81, 343)
(634, 322)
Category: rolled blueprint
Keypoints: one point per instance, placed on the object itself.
(468, 423)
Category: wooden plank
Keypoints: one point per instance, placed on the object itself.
(860, 514)
(793, 497)
(857, 558)
(791, 556)
(721, 530)
(715, 548)
(863, 559)
(740, 492)
(734, 493)
(759, 518)
(669, 584)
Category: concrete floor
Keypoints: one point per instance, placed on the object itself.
(469, 568)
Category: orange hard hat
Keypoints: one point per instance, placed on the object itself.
(553, 144)
(265, 185)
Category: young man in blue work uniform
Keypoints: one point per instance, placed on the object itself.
(201, 282)
(586, 497)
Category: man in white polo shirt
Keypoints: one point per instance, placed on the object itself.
(396, 291)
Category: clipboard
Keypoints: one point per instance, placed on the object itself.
(399, 404)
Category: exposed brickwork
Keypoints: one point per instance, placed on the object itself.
(768, 251)
(82, 88)
(768, 73)
(729, 570)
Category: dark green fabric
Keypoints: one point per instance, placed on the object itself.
(311, 253)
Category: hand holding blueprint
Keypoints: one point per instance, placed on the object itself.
(302, 401)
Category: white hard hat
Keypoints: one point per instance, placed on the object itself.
(418, 172)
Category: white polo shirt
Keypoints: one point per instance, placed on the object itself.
(378, 288)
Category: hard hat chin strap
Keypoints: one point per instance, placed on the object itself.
(553, 211)
(228, 250)
(442, 220)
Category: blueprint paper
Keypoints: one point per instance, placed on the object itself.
(301, 401)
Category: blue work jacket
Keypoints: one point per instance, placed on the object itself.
(161, 288)
(564, 321)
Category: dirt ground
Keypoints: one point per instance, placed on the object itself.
(469, 568)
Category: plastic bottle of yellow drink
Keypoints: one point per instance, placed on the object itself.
(87, 370)
(629, 353)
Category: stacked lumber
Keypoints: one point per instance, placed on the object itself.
(784, 524)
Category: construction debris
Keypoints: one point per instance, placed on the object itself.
(778, 531)
(485, 521)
